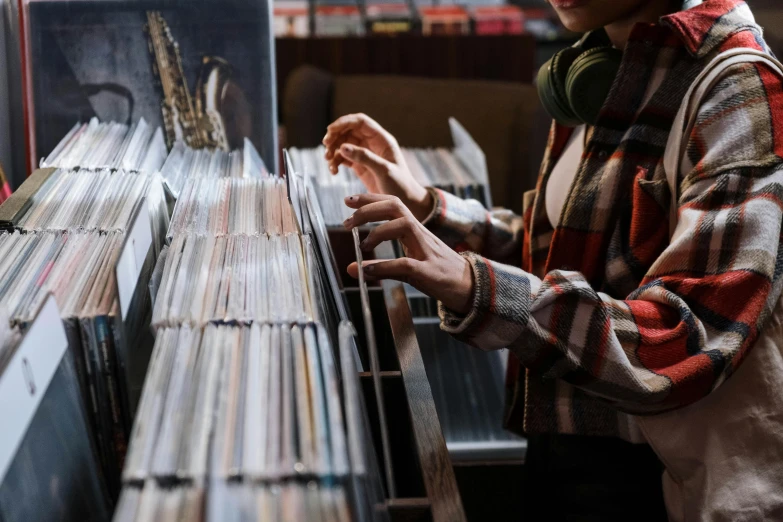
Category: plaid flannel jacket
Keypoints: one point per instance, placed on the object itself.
(604, 317)
(5, 188)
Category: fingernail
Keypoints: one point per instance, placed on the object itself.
(369, 268)
(348, 222)
(347, 150)
(351, 198)
(363, 245)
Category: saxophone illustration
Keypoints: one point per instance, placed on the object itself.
(195, 120)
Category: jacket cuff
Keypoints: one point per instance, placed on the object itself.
(464, 326)
(432, 217)
(460, 223)
(500, 312)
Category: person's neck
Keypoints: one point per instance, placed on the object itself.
(649, 12)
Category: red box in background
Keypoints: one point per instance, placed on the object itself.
(291, 18)
(445, 19)
(502, 19)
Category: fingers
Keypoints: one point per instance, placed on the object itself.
(403, 269)
(400, 228)
(360, 200)
(337, 143)
(355, 129)
(332, 153)
(386, 209)
(351, 122)
(364, 157)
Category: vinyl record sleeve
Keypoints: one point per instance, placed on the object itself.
(12, 209)
(48, 467)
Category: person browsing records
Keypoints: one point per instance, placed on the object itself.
(613, 324)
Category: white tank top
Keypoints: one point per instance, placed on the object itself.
(559, 184)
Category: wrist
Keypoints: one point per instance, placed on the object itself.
(466, 293)
(420, 202)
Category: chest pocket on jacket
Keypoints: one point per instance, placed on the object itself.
(649, 219)
(652, 187)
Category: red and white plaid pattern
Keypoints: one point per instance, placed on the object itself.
(5, 188)
(604, 314)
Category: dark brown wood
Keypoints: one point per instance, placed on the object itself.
(409, 510)
(437, 472)
(341, 241)
(508, 58)
(404, 452)
(502, 481)
(387, 351)
(384, 375)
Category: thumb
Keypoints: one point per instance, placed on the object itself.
(366, 158)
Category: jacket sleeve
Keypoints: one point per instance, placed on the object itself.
(465, 225)
(701, 305)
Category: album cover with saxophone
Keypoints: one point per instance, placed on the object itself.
(200, 70)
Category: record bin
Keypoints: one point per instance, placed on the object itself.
(423, 484)
(461, 432)
(425, 480)
(464, 385)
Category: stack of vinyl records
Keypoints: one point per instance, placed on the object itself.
(88, 233)
(443, 169)
(242, 415)
(331, 189)
(79, 268)
(256, 404)
(438, 167)
(185, 163)
(115, 146)
(94, 201)
(220, 206)
(236, 278)
(467, 387)
(236, 502)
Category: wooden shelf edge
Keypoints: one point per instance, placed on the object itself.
(409, 509)
(406, 503)
(384, 375)
(437, 471)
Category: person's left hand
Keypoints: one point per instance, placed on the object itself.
(430, 266)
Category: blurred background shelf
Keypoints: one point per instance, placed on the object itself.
(466, 57)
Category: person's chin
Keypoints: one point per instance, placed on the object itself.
(579, 20)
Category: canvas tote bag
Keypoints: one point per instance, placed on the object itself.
(724, 453)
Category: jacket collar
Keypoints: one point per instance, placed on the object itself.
(704, 25)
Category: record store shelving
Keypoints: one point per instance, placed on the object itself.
(104, 418)
(423, 484)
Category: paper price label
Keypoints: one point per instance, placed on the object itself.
(134, 253)
(26, 378)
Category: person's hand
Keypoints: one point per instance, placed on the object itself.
(430, 266)
(359, 142)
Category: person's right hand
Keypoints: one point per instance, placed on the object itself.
(359, 142)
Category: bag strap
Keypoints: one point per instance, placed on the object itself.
(686, 116)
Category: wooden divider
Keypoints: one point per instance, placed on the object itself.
(424, 476)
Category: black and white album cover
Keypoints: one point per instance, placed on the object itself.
(199, 69)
